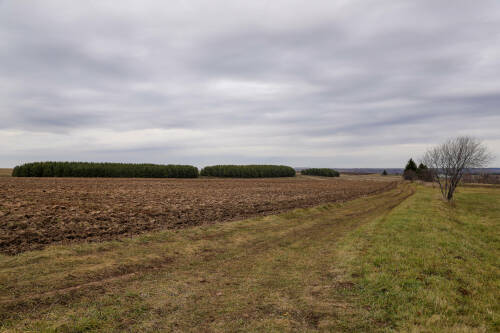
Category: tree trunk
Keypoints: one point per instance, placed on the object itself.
(450, 195)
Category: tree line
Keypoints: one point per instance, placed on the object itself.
(325, 172)
(248, 171)
(412, 172)
(132, 170)
(113, 170)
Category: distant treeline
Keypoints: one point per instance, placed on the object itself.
(325, 172)
(248, 171)
(86, 169)
(130, 170)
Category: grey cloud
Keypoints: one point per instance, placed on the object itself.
(314, 82)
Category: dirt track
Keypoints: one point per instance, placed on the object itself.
(35, 212)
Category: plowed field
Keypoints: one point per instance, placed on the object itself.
(35, 212)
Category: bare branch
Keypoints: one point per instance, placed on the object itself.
(450, 160)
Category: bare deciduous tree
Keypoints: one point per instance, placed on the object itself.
(448, 161)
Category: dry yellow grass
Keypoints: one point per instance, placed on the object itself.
(388, 262)
(4, 172)
(373, 176)
(263, 274)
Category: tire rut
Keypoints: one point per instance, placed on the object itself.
(253, 247)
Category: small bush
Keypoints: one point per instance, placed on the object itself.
(410, 175)
(325, 172)
(115, 170)
(248, 171)
(425, 175)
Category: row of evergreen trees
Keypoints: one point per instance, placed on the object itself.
(130, 170)
(248, 171)
(325, 172)
(87, 169)
(412, 172)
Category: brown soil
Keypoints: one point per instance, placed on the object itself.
(35, 212)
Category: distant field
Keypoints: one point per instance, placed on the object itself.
(39, 211)
(372, 176)
(5, 172)
(481, 179)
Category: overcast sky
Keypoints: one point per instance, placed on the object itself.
(303, 83)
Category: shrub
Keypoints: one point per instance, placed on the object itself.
(248, 171)
(410, 175)
(89, 169)
(384, 173)
(325, 172)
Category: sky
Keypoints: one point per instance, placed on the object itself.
(302, 83)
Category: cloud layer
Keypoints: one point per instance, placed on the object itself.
(305, 83)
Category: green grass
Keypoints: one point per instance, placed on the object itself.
(430, 266)
(360, 266)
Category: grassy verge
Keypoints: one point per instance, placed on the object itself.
(429, 266)
(362, 266)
